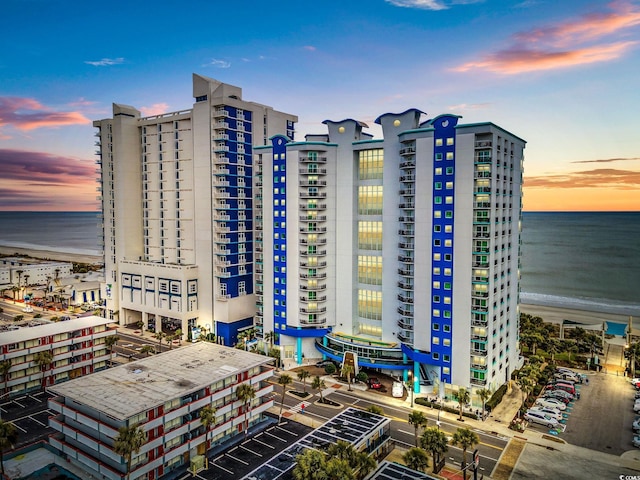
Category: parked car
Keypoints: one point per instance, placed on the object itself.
(323, 363)
(636, 425)
(28, 309)
(552, 412)
(559, 395)
(397, 390)
(563, 386)
(551, 403)
(374, 383)
(541, 418)
(636, 441)
(636, 406)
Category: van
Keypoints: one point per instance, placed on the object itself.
(397, 390)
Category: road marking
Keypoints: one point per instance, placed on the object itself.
(276, 437)
(250, 451)
(36, 420)
(220, 466)
(289, 432)
(266, 444)
(237, 459)
(408, 433)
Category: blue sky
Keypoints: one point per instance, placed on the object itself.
(562, 75)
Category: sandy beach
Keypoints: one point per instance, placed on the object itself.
(52, 255)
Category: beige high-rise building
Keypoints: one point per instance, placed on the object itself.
(177, 201)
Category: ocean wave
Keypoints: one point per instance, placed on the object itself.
(601, 305)
(50, 248)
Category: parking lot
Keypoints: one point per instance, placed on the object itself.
(601, 419)
(30, 415)
(241, 459)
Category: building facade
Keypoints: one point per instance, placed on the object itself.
(77, 348)
(177, 201)
(163, 395)
(403, 250)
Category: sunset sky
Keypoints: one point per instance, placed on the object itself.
(563, 75)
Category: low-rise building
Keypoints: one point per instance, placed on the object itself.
(163, 395)
(77, 347)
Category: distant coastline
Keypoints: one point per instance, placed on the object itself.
(57, 255)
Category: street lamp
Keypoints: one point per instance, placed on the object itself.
(439, 410)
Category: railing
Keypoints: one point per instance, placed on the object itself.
(404, 325)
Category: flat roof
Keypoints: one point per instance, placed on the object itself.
(394, 471)
(53, 328)
(127, 390)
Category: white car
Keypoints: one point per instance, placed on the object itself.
(636, 441)
(551, 403)
(552, 412)
(28, 309)
(636, 425)
(636, 406)
(541, 418)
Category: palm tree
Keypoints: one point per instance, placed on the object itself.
(310, 465)
(302, 376)
(318, 384)
(435, 441)
(46, 293)
(484, 394)
(375, 409)
(359, 462)
(417, 419)
(416, 459)
(5, 366)
(148, 349)
(169, 339)
(129, 441)
(465, 439)
(15, 290)
(110, 342)
(159, 336)
(19, 272)
(43, 359)
(245, 393)
(8, 437)
(207, 418)
(347, 370)
(178, 335)
(270, 338)
(463, 397)
(283, 381)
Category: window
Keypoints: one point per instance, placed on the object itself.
(435, 355)
(449, 155)
(436, 299)
(438, 157)
(438, 171)
(436, 312)
(447, 328)
(438, 185)
(370, 164)
(446, 358)
(438, 142)
(436, 327)
(448, 214)
(450, 141)
(437, 200)
(448, 200)
(435, 340)
(449, 170)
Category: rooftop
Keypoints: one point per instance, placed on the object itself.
(50, 329)
(395, 471)
(127, 390)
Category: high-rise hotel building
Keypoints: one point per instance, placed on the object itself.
(177, 199)
(403, 250)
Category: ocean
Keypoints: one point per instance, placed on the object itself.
(582, 260)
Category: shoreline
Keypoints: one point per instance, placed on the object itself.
(548, 312)
(45, 254)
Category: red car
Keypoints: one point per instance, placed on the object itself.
(374, 383)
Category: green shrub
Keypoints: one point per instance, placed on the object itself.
(330, 369)
(362, 377)
(496, 398)
(425, 402)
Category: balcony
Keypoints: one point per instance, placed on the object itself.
(479, 294)
(405, 337)
(220, 112)
(408, 151)
(306, 276)
(316, 322)
(222, 159)
(316, 171)
(482, 205)
(405, 284)
(407, 205)
(407, 232)
(405, 298)
(408, 178)
(223, 297)
(479, 323)
(313, 288)
(405, 325)
(313, 218)
(482, 353)
(479, 366)
(318, 309)
(407, 272)
(303, 159)
(220, 148)
(317, 241)
(408, 164)
(305, 298)
(482, 221)
(407, 218)
(481, 234)
(313, 194)
(405, 312)
(482, 174)
(313, 264)
(321, 206)
(306, 253)
(315, 229)
(477, 381)
(478, 190)
(305, 182)
(405, 259)
(480, 338)
(483, 144)
(406, 245)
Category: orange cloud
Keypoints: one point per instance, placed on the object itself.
(598, 178)
(29, 114)
(563, 45)
(523, 60)
(155, 109)
(580, 199)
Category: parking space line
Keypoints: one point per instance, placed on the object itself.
(220, 466)
(289, 432)
(265, 444)
(276, 437)
(19, 404)
(237, 459)
(36, 420)
(250, 451)
(19, 427)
